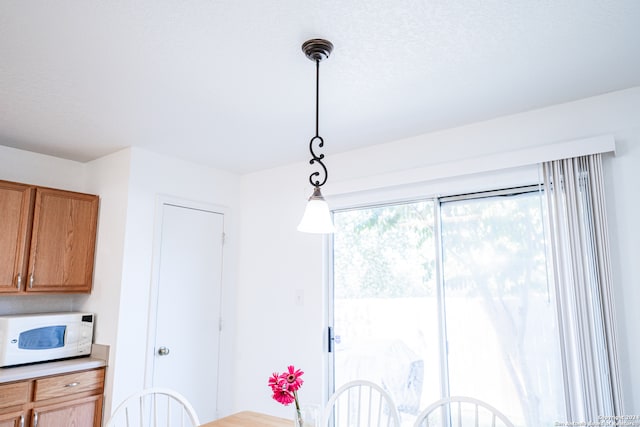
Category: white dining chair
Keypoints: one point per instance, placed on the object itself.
(154, 407)
(461, 411)
(360, 403)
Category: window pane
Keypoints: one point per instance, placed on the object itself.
(500, 318)
(385, 308)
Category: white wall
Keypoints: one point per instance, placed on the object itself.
(275, 260)
(152, 175)
(622, 175)
(39, 169)
(109, 178)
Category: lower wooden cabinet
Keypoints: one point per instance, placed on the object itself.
(13, 419)
(77, 412)
(14, 403)
(72, 399)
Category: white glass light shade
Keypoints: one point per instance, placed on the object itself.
(316, 218)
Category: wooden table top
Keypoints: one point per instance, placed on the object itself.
(250, 419)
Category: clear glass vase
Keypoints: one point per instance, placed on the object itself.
(307, 416)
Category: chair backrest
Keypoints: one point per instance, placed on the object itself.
(461, 411)
(361, 403)
(154, 407)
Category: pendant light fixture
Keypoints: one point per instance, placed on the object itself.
(317, 218)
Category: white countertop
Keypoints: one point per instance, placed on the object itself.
(26, 372)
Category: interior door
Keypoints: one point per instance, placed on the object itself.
(187, 324)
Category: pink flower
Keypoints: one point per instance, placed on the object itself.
(283, 396)
(293, 378)
(274, 380)
(285, 386)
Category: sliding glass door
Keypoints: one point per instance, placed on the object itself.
(449, 297)
(385, 301)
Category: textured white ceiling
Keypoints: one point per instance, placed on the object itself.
(224, 82)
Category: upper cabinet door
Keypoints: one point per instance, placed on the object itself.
(15, 226)
(62, 241)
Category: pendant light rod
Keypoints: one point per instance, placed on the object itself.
(317, 96)
(317, 50)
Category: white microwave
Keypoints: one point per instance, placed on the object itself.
(30, 338)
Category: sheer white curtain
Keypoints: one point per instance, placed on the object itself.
(582, 274)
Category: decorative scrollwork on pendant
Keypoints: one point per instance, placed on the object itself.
(315, 158)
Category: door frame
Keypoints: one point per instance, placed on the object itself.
(226, 329)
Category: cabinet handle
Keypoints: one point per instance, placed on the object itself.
(74, 384)
(19, 280)
(31, 281)
(35, 418)
(21, 420)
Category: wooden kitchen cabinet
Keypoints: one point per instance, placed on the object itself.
(13, 419)
(16, 201)
(47, 239)
(14, 398)
(73, 399)
(62, 241)
(86, 412)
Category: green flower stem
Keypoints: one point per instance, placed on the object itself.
(295, 397)
(299, 420)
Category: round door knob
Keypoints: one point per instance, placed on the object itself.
(163, 351)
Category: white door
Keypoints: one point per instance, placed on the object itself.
(187, 324)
